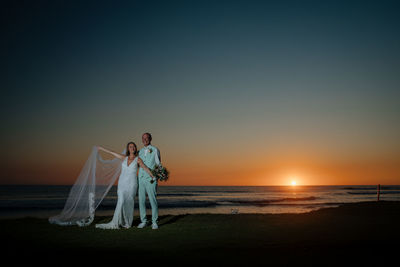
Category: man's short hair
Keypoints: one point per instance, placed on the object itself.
(149, 134)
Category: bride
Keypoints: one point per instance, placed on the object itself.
(94, 182)
(127, 188)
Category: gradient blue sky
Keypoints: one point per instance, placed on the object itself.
(234, 92)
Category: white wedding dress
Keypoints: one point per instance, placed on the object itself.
(127, 188)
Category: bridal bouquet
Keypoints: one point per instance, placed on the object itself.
(160, 173)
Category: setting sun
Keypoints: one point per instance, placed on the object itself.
(293, 183)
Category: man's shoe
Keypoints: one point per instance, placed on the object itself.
(154, 226)
(141, 225)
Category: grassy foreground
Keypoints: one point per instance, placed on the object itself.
(361, 233)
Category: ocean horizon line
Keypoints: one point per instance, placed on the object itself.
(160, 184)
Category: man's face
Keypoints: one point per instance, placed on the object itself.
(146, 139)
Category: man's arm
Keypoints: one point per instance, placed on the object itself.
(158, 157)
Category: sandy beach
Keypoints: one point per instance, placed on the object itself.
(366, 233)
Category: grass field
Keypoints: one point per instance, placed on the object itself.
(361, 233)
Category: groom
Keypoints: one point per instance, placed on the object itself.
(150, 156)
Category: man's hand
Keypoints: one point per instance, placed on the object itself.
(140, 161)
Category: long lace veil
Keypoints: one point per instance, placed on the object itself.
(92, 185)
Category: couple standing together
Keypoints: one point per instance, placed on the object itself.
(130, 182)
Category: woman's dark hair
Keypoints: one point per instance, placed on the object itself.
(127, 148)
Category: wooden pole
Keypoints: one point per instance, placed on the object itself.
(379, 190)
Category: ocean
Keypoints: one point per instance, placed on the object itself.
(40, 201)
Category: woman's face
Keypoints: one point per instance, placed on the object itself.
(132, 149)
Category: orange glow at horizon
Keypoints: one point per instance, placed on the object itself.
(196, 172)
(196, 166)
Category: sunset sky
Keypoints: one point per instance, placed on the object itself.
(233, 92)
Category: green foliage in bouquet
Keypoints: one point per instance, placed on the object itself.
(160, 173)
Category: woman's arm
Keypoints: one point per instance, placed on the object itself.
(141, 164)
(120, 156)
